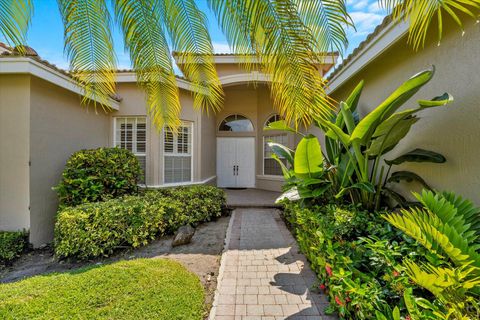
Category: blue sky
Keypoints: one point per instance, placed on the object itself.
(46, 31)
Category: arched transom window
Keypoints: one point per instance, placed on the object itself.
(273, 118)
(236, 123)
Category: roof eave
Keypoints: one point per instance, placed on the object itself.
(385, 35)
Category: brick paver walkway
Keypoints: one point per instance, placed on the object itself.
(262, 275)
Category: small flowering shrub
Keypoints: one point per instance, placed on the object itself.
(357, 256)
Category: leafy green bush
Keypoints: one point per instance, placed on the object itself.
(198, 203)
(12, 244)
(98, 174)
(357, 257)
(97, 229)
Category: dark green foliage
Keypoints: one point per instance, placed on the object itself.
(98, 229)
(12, 244)
(357, 257)
(97, 175)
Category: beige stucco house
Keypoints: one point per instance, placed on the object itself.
(42, 122)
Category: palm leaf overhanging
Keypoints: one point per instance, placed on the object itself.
(286, 39)
(14, 20)
(421, 14)
(89, 47)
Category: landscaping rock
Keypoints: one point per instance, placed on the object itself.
(183, 236)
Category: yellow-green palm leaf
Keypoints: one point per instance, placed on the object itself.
(14, 20)
(88, 44)
(145, 40)
(187, 27)
(421, 14)
(284, 37)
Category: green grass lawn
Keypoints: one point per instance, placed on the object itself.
(136, 289)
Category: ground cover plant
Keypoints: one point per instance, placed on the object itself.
(99, 228)
(135, 289)
(12, 244)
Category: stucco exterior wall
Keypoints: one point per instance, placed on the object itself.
(452, 130)
(59, 126)
(133, 104)
(15, 152)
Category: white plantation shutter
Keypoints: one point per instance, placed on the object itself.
(177, 150)
(270, 165)
(131, 134)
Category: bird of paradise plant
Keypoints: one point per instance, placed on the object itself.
(353, 164)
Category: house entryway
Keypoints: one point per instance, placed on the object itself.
(236, 162)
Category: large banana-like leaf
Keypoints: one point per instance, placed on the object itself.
(421, 13)
(187, 27)
(145, 40)
(282, 151)
(366, 127)
(409, 177)
(418, 155)
(88, 44)
(308, 157)
(390, 131)
(352, 102)
(15, 17)
(280, 125)
(386, 142)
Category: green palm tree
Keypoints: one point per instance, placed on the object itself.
(281, 37)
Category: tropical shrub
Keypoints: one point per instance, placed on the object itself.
(99, 228)
(98, 174)
(449, 227)
(12, 244)
(357, 257)
(352, 167)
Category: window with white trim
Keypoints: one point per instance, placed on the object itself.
(177, 149)
(270, 165)
(131, 134)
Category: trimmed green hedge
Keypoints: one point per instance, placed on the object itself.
(98, 174)
(98, 229)
(12, 244)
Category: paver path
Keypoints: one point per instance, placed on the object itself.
(262, 275)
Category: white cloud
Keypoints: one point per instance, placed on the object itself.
(374, 7)
(366, 21)
(219, 47)
(359, 5)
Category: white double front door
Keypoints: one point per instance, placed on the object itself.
(236, 162)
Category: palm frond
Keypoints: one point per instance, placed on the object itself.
(429, 230)
(277, 32)
(145, 40)
(327, 20)
(421, 14)
(469, 212)
(449, 284)
(187, 27)
(15, 17)
(88, 44)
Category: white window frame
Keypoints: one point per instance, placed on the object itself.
(134, 139)
(189, 124)
(265, 137)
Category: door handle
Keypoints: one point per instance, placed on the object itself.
(234, 170)
(237, 170)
